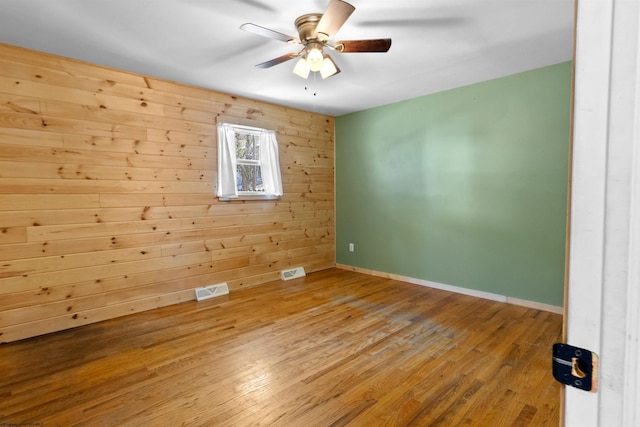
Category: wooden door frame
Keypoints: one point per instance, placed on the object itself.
(603, 299)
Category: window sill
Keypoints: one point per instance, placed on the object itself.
(250, 197)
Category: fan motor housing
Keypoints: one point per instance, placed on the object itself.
(306, 25)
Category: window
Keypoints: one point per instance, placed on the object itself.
(248, 165)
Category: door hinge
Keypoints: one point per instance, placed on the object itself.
(575, 366)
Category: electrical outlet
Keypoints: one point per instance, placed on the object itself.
(352, 247)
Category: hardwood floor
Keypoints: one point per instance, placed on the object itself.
(335, 348)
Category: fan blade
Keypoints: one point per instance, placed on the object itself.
(333, 18)
(278, 60)
(373, 45)
(265, 32)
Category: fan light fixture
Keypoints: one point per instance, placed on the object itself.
(314, 57)
(314, 60)
(301, 69)
(329, 68)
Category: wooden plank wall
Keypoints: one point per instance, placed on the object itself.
(107, 183)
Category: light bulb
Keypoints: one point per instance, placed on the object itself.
(314, 59)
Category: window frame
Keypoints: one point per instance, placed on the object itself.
(243, 194)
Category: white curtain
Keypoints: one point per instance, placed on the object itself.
(270, 163)
(226, 162)
(228, 165)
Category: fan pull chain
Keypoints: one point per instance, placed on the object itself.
(306, 87)
(315, 76)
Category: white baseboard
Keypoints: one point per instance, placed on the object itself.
(458, 289)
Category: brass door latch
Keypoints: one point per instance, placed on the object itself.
(575, 366)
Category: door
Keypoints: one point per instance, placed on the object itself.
(603, 296)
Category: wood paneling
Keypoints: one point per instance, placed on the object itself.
(335, 348)
(107, 183)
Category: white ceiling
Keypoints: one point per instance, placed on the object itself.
(437, 44)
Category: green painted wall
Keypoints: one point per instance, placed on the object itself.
(466, 187)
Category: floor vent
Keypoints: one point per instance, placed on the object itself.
(211, 291)
(293, 273)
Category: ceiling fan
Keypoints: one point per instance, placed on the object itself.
(314, 32)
